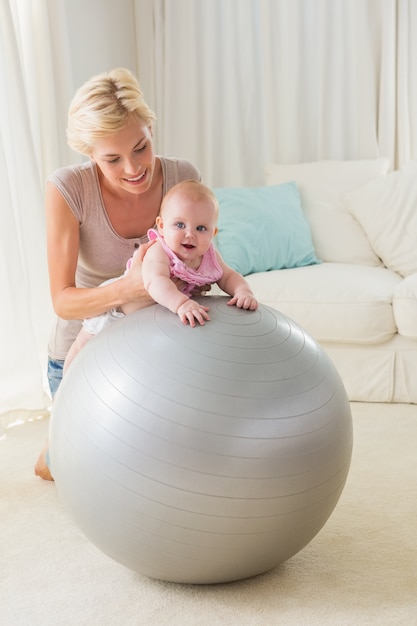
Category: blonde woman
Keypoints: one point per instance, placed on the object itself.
(98, 213)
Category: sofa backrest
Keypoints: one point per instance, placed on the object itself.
(337, 235)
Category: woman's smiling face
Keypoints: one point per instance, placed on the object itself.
(126, 158)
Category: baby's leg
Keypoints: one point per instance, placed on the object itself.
(82, 338)
(131, 307)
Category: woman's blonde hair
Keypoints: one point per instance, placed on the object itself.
(102, 106)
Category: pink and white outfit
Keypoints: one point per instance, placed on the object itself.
(208, 272)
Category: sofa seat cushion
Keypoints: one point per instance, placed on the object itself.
(334, 302)
(405, 306)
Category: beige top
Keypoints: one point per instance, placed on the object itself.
(103, 252)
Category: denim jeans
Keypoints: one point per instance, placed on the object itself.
(55, 371)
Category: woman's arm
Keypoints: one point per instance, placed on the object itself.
(63, 240)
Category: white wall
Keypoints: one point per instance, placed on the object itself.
(101, 36)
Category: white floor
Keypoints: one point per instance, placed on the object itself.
(361, 569)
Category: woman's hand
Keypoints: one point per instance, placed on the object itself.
(139, 297)
(200, 291)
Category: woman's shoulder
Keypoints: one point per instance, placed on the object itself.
(175, 170)
(73, 174)
(78, 185)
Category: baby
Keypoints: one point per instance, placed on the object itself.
(184, 249)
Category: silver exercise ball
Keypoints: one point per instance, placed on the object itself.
(206, 454)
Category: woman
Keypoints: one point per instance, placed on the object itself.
(99, 212)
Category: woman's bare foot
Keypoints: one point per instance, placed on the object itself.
(41, 468)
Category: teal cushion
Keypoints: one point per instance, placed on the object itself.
(263, 228)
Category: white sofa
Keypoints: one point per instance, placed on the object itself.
(360, 302)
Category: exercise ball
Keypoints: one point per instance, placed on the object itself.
(205, 454)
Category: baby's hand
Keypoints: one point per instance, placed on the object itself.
(244, 300)
(190, 311)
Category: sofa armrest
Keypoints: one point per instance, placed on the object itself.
(405, 306)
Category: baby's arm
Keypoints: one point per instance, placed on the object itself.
(157, 281)
(236, 286)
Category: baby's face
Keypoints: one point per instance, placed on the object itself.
(188, 226)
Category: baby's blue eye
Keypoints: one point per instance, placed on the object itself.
(180, 225)
(201, 228)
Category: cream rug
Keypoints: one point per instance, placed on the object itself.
(360, 569)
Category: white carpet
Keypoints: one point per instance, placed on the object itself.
(360, 569)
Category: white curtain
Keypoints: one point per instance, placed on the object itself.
(32, 60)
(235, 84)
(238, 83)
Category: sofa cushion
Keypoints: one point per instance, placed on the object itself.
(337, 236)
(334, 302)
(405, 306)
(387, 210)
(263, 228)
